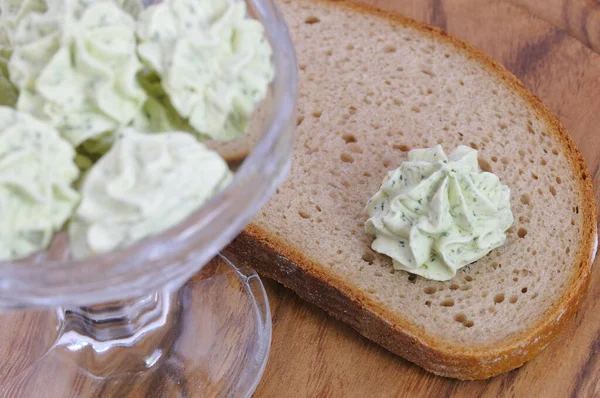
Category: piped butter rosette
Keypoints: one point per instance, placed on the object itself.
(145, 183)
(75, 66)
(214, 63)
(438, 213)
(36, 174)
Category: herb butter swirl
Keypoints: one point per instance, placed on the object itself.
(214, 63)
(75, 66)
(438, 213)
(145, 183)
(36, 173)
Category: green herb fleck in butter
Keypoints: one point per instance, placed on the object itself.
(214, 63)
(36, 173)
(438, 213)
(75, 66)
(145, 183)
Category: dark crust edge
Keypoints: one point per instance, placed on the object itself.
(276, 259)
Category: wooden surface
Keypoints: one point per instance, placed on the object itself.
(313, 355)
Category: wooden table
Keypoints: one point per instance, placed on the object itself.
(314, 355)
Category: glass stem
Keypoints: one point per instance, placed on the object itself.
(129, 336)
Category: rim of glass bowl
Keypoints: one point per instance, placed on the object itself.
(169, 259)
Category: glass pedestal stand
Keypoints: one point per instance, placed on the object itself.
(210, 338)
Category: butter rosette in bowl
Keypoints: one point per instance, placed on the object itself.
(75, 66)
(136, 141)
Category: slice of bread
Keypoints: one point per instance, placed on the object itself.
(373, 86)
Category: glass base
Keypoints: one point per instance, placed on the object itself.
(216, 343)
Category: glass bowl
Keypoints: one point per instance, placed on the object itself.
(125, 313)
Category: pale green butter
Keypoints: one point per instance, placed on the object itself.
(36, 173)
(75, 66)
(145, 183)
(438, 213)
(214, 63)
(158, 115)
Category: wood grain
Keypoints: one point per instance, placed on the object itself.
(313, 355)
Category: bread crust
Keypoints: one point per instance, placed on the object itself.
(274, 258)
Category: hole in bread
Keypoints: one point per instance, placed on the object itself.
(540, 191)
(428, 303)
(468, 278)
(403, 148)
(525, 199)
(502, 125)
(412, 278)
(462, 318)
(311, 20)
(558, 180)
(462, 83)
(398, 101)
(318, 208)
(430, 290)
(386, 163)
(368, 257)
(428, 72)
(469, 323)
(524, 290)
(515, 279)
(521, 153)
(552, 190)
(543, 162)
(299, 120)
(367, 174)
(319, 220)
(350, 47)
(522, 232)
(499, 298)
(554, 152)
(513, 299)
(317, 114)
(506, 161)
(400, 69)
(567, 250)
(389, 49)
(347, 158)
(447, 303)
(494, 159)
(415, 109)
(465, 287)
(484, 165)
(454, 286)
(473, 145)
(534, 176)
